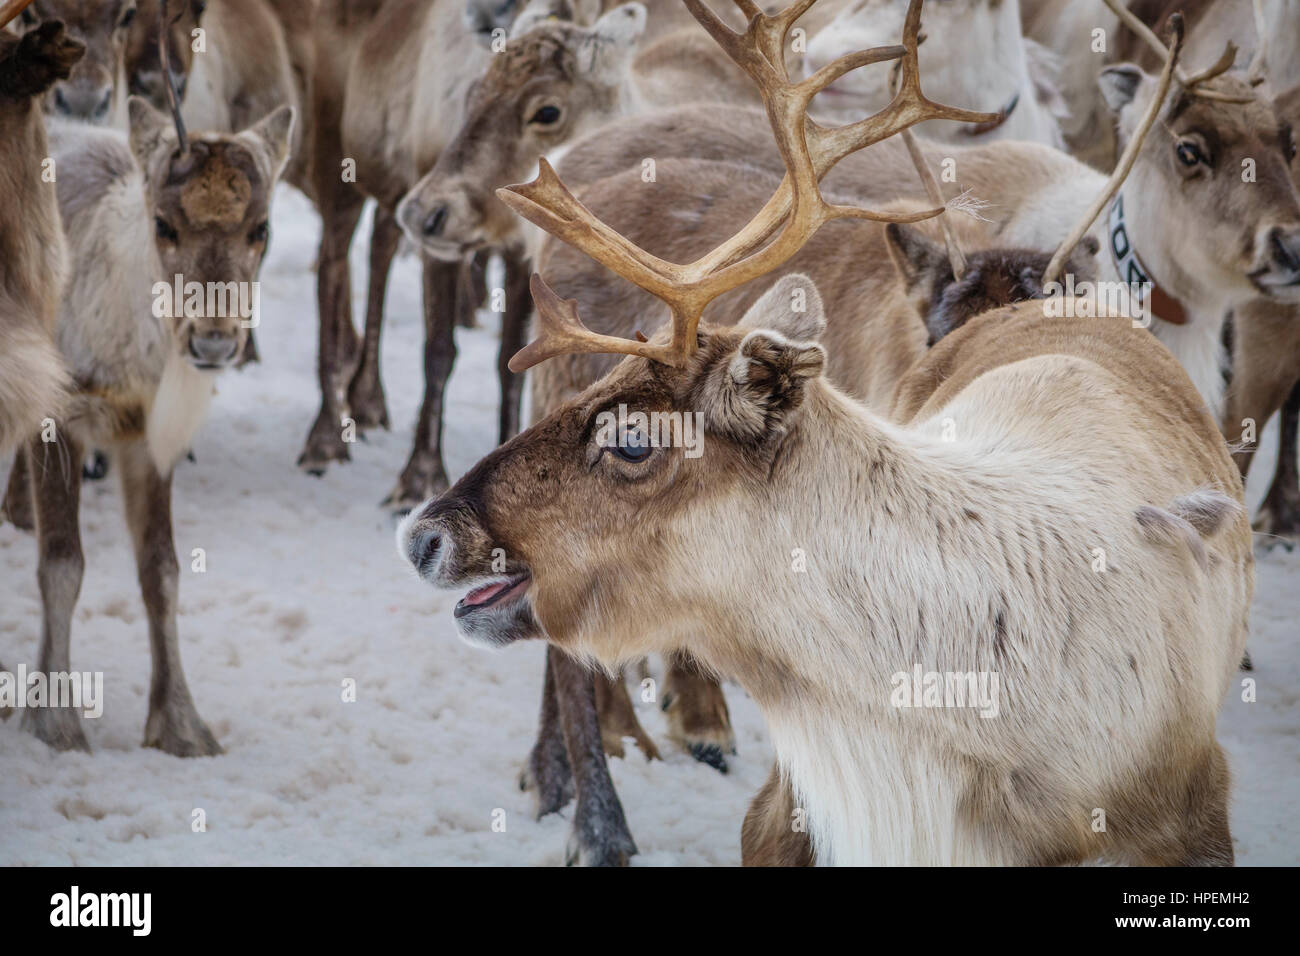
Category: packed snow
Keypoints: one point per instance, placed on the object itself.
(304, 589)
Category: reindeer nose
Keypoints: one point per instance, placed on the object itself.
(212, 348)
(81, 102)
(1285, 248)
(425, 549)
(434, 222)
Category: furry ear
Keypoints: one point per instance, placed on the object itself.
(612, 42)
(752, 392)
(918, 259)
(270, 139)
(1120, 84)
(792, 307)
(151, 131)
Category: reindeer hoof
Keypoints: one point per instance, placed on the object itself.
(367, 404)
(1278, 523)
(551, 787)
(59, 727)
(611, 848)
(422, 478)
(180, 732)
(710, 754)
(325, 445)
(1246, 663)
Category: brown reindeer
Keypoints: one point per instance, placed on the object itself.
(96, 90)
(32, 254)
(145, 214)
(880, 787)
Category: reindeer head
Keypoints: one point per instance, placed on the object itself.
(143, 64)
(993, 277)
(541, 530)
(95, 91)
(1214, 177)
(551, 534)
(210, 202)
(551, 85)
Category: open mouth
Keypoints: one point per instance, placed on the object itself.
(493, 594)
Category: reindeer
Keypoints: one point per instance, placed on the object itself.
(975, 48)
(957, 790)
(96, 90)
(33, 267)
(139, 211)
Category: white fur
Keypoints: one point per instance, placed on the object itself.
(179, 408)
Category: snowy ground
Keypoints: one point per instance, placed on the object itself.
(304, 588)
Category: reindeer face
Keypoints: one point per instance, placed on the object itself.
(210, 207)
(144, 74)
(91, 92)
(549, 87)
(1215, 178)
(580, 522)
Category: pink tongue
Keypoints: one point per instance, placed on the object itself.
(485, 593)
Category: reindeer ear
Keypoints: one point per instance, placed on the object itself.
(792, 307)
(150, 132)
(750, 394)
(613, 41)
(1119, 85)
(917, 259)
(271, 138)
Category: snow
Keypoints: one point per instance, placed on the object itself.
(304, 589)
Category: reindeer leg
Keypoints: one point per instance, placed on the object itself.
(768, 836)
(514, 335)
(366, 401)
(55, 470)
(340, 207)
(1279, 514)
(617, 718)
(18, 495)
(473, 289)
(547, 772)
(698, 719)
(424, 475)
(174, 724)
(600, 835)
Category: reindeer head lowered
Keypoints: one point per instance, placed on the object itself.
(551, 84)
(567, 563)
(143, 58)
(95, 91)
(210, 198)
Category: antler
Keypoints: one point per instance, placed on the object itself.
(1258, 70)
(173, 98)
(1129, 155)
(797, 208)
(10, 9)
(1192, 84)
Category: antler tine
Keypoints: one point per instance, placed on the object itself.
(164, 61)
(10, 9)
(1193, 83)
(1128, 157)
(797, 209)
(1257, 73)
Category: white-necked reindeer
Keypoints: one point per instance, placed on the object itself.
(963, 543)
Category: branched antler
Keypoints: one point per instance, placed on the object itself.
(1192, 84)
(797, 209)
(1129, 156)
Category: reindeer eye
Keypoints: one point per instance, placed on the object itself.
(546, 116)
(127, 18)
(29, 16)
(633, 445)
(164, 229)
(260, 233)
(199, 7)
(1189, 154)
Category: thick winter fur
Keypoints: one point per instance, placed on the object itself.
(964, 553)
(96, 90)
(33, 379)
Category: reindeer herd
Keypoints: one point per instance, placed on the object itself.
(932, 436)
